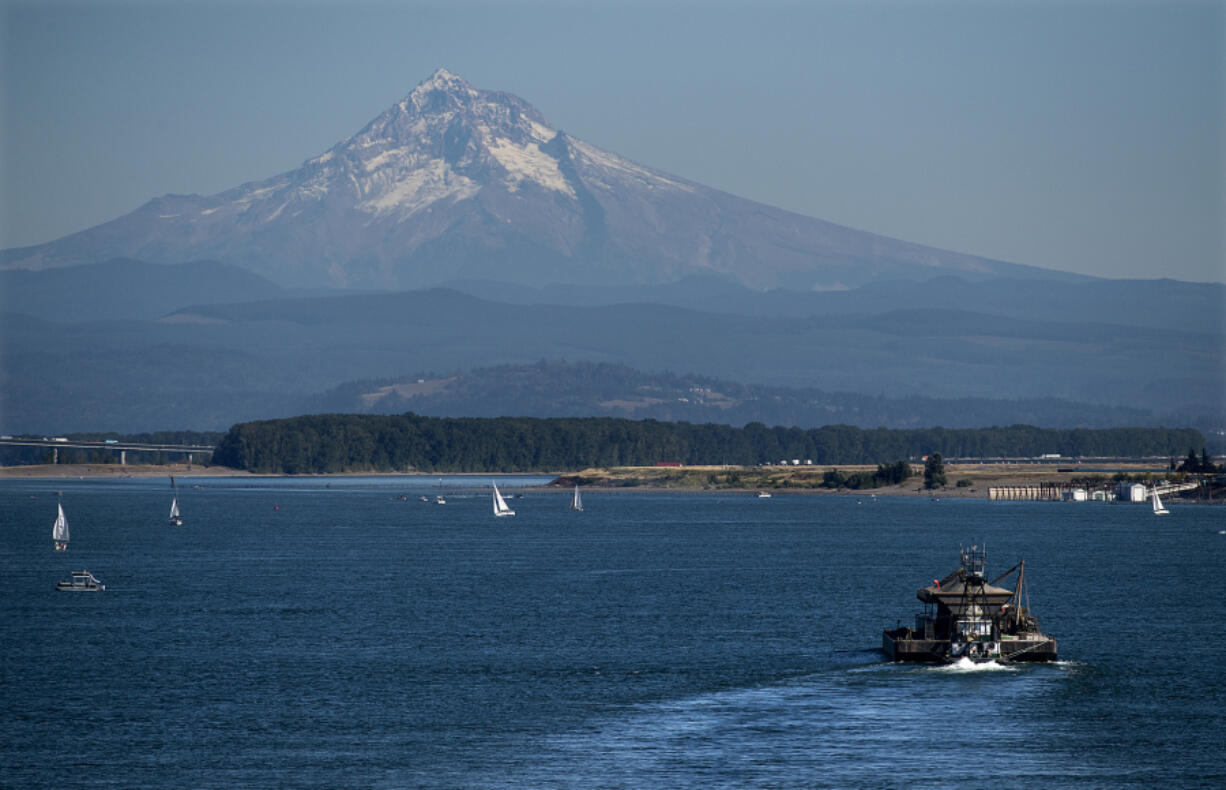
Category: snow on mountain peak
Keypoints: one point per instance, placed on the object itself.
(442, 140)
(443, 143)
(442, 77)
(427, 95)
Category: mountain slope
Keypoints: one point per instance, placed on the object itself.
(458, 183)
(269, 358)
(584, 389)
(1157, 304)
(124, 289)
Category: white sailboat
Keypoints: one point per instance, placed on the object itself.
(1159, 508)
(576, 502)
(500, 506)
(175, 518)
(59, 531)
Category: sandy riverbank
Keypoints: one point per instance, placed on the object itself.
(785, 481)
(59, 471)
(780, 481)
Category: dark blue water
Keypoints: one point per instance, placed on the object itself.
(301, 633)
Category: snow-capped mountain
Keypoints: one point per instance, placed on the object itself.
(456, 183)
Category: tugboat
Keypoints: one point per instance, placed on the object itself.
(967, 617)
(82, 581)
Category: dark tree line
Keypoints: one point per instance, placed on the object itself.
(359, 443)
(885, 475)
(1198, 465)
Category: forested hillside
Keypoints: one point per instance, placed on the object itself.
(588, 389)
(359, 443)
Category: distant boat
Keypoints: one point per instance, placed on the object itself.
(764, 495)
(438, 498)
(576, 502)
(82, 581)
(175, 518)
(500, 506)
(1159, 508)
(59, 531)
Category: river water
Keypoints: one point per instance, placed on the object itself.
(330, 633)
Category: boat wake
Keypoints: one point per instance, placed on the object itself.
(964, 664)
(827, 729)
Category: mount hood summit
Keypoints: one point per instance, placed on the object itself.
(457, 183)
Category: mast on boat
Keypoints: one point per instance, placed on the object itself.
(973, 622)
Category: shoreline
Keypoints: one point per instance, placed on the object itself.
(103, 471)
(778, 481)
(61, 471)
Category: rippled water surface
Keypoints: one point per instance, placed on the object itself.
(330, 633)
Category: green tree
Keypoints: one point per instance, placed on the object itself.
(934, 472)
(356, 443)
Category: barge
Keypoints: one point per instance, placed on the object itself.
(967, 617)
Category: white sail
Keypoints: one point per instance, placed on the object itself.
(59, 532)
(175, 518)
(1159, 509)
(500, 506)
(576, 503)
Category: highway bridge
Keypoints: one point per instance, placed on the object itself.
(58, 443)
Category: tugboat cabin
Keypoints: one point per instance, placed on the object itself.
(953, 608)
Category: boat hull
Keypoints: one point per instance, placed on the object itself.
(903, 645)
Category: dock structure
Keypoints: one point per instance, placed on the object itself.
(1175, 488)
(1052, 492)
(1056, 492)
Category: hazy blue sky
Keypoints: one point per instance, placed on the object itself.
(1083, 136)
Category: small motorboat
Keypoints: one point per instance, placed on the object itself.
(82, 581)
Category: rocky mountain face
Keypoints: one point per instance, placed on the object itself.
(455, 183)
